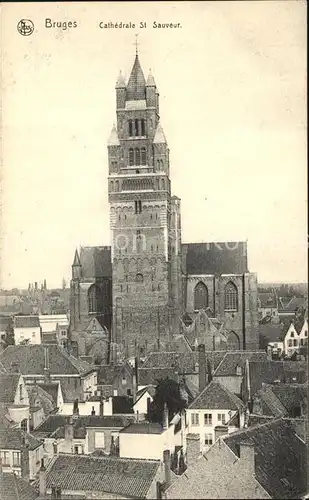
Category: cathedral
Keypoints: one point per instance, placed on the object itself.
(148, 288)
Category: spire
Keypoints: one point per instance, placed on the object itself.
(136, 84)
(150, 80)
(113, 138)
(76, 259)
(159, 137)
(120, 84)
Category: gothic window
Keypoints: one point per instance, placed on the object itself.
(117, 186)
(230, 297)
(131, 157)
(112, 186)
(130, 128)
(136, 128)
(137, 156)
(162, 183)
(139, 278)
(94, 299)
(200, 296)
(143, 131)
(143, 156)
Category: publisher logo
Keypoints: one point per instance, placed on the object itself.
(25, 27)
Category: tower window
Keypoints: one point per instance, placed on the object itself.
(117, 186)
(136, 207)
(131, 157)
(139, 206)
(130, 128)
(136, 128)
(143, 131)
(139, 278)
(143, 156)
(200, 296)
(230, 297)
(137, 156)
(95, 303)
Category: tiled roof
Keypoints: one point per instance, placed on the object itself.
(215, 258)
(8, 386)
(5, 419)
(232, 359)
(52, 388)
(271, 333)
(272, 371)
(108, 373)
(143, 428)
(96, 262)
(216, 397)
(26, 321)
(12, 439)
(295, 303)
(30, 360)
(120, 476)
(182, 362)
(151, 376)
(267, 299)
(280, 457)
(36, 393)
(136, 84)
(290, 395)
(13, 487)
(271, 405)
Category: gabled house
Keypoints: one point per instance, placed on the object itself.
(15, 399)
(27, 330)
(20, 453)
(295, 338)
(265, 461)
(214, 407)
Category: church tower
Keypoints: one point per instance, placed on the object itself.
(144, 221)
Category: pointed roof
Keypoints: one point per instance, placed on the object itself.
(120, 83)
(150, 80)
(136, 84)
(113, 138)
(76, 261)
(216, 396)
(159, 137)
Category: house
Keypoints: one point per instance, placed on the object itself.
(295, 338)
(20, 453)
(264, 461)
(41, 404)
(81, 476)
(13, 487)
(49, 322)
(81, 434)
(143, 398)
(289, 308)
(51, 363)
(62, 334)
(214, 406)
(271, 372)
(15, 400)
(230, 370)
(149, 440)
(281, 400)
(27, 330)
(115, 379)
(268, 306)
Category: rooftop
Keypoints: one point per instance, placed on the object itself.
(143, 428)
(15, 439)
(216, 397)
(26, 322)
(13, 487)
(8, 386)
(232, 359)
(215, 258)
(119, 476)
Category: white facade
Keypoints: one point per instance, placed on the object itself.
(294, 340)
(90, 386)
(49, 322)
(85, 408)
(203, 422)
(140, 405)
(31, 335)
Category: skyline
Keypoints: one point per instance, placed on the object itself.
(236, 130)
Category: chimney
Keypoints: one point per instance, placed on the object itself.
(193, 448)
(69, 430)
(165, 417)
(46, 366)
(202, 367)
(167, 468)
(220, 431)
(75, 410)
(25, 470)
(101, 406)
(42, 475)
(246, 455)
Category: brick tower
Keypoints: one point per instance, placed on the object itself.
(144, 221)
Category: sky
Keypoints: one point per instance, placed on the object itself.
(232, 83)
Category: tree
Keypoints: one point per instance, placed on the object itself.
(9, 336)
(167, 391)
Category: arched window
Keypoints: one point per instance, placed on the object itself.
(94, 299)
(143, 130)
(117, 186)
(131, 157)
(139, 278)
(137, 156)
(200, 296)
(130, 128)
(163, 184)
(230, 297)
(112, 186)
(136, 127)
(233, 344)
(143, 156)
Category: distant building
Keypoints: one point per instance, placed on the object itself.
(14, 400)
(268, 306)
(27, 330)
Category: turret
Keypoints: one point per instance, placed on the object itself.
(120, 92)
(151, 91)
(76, 267)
